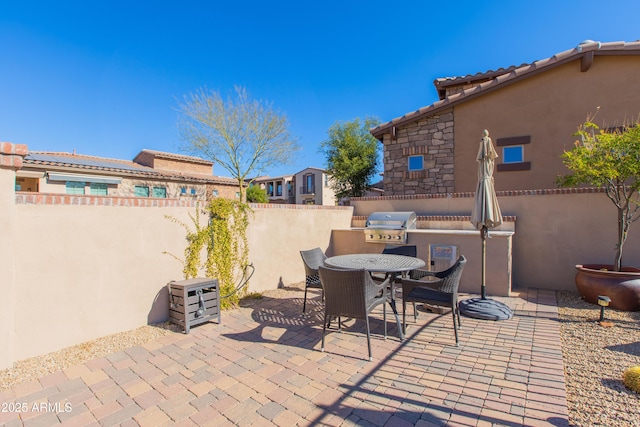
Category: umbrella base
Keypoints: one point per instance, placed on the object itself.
(485, 309)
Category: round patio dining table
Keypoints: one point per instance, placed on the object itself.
(379, 263)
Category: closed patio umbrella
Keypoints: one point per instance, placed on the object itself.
(485, 215)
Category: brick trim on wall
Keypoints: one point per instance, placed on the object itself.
(298, 207)
(506, 193)
(464, 218)
(11, 155)
(28, 198)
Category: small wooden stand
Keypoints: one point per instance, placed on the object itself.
(193, 301)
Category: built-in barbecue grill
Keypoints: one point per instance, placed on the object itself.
(389, 227)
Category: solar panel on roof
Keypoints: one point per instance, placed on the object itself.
(83, 161)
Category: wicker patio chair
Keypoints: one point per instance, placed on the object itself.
(352, 294)
(312, 259)
(406, 250)
(441, 290)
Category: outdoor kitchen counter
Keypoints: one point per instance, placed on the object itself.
(474, 232)
(499, 253)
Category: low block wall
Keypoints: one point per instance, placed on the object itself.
(498, 269)
(76, 268)
(555, 230)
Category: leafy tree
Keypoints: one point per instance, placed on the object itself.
(242, 135)
(609, 159)
(255, 194)
(352, 156)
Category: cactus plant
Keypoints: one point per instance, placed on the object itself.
(631, 378)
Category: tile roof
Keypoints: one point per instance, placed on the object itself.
(85, 163)
(495, 79)
(174, 156)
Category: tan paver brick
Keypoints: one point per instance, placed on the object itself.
(136, 388)
(502, 373)
(94, 377)
(287, 418)
(106, 410)
(152, 417)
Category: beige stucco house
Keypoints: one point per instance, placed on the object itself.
(313, 187)
(151, 174)
(531, 112)
(280, 189)
(310, 186)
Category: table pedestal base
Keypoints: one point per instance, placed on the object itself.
(485, 309)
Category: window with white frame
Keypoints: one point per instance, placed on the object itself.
(416, 163)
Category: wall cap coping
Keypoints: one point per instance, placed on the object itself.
(297, 206)
(461, 218)
(29, 198)
(503, 193)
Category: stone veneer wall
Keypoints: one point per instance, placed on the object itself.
(431, 137)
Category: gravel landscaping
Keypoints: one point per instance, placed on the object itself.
(595, 358)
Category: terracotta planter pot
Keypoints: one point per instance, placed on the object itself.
(623, 287)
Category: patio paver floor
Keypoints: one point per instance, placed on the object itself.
(263, 366)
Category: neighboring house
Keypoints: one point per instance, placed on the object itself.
(279, 189)
(312, 187)
(151, 174)
(531, 112)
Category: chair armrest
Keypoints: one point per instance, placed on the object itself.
(418, 274)
(409, 284)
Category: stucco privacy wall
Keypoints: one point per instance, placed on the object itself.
(75, 268)
(278, 232)
(85, 271)
(498, 277)
(555, 230)
(11, 156)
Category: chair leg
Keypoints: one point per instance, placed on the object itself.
(304, 304)
(455, 327)
(458, 314)
(415, 313)
(404, 317)
(324, 330)
(384, 317)
(368, 338)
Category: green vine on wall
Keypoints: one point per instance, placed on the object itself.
(226, 244)
(228, 248)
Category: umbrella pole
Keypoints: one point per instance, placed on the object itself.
(483, 236)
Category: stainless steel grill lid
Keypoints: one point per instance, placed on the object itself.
(389, 226)
(406, 220)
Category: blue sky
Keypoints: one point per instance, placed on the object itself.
(104, 77)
